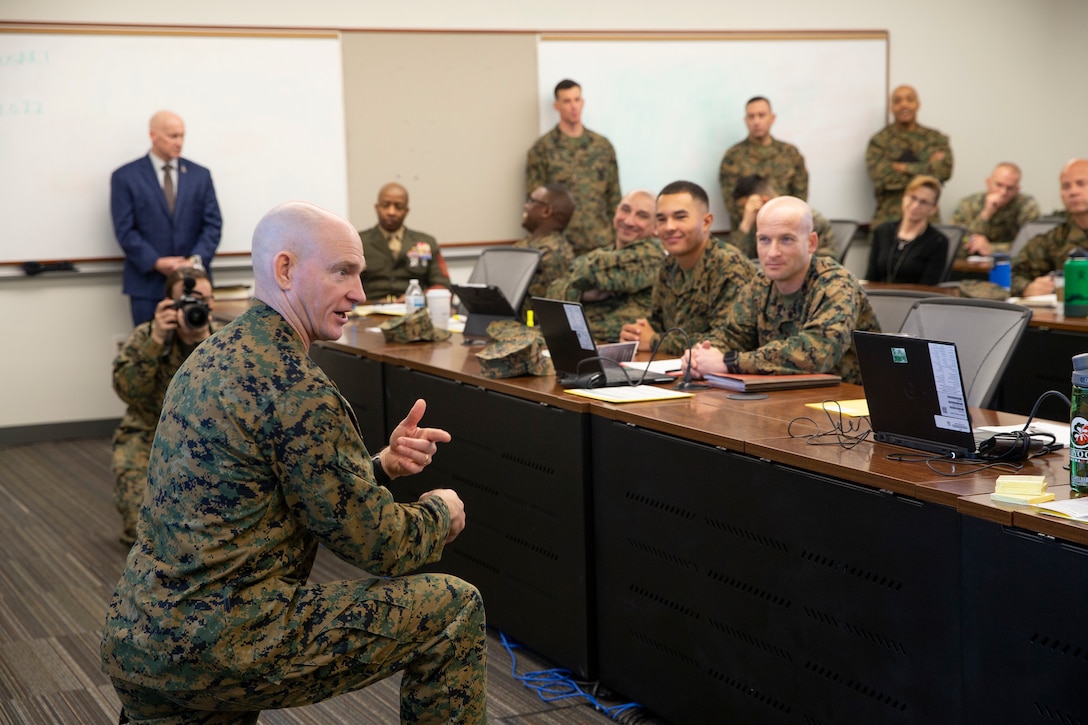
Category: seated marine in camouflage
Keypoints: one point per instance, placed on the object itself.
(797, 315)
(142, 371)
(257, 461)
(699, 280)
(994, 217)
(751, 194)
(615, 284)
(545, 215)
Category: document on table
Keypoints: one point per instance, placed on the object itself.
(629, 393)
(1074, 508)
(661, 367)
(855, 408)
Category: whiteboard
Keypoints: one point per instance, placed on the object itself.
(671, 108)
(264, 113)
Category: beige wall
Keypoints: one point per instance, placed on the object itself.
(996, 75)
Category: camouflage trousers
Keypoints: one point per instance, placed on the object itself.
(438, 642)
(130, 458)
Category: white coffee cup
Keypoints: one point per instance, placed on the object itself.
(438, 305)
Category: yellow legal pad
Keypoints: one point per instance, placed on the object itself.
(856, 408)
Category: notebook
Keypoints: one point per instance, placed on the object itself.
(915, 394)
(566, 331)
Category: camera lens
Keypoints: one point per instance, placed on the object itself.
(196, 315)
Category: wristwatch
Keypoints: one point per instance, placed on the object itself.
(730, 360)
(380, 476)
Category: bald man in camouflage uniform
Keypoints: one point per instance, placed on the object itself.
(616, 285)
(699, 280)
(585, 163)
(1046, 253)
(902, 151)
(545, 215)
(257, 461)
(798, 314)
(994, 217)
(760, 153)
(142, 371)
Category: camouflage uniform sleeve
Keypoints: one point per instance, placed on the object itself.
(328, 485)
(941, 169)
(536, 167)
(1029, 211)
(737, 328)
(746, 244)
(828, 245)
(1032, 261)
(727, 179)
(136, 367)
(879, 163)
(627, 270)
(824, 338)
(555, 260)
(612, 190)
(966, 215)
(799, 181)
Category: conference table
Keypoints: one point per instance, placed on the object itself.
(704, 558)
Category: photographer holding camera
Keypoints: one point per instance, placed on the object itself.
(142, 371)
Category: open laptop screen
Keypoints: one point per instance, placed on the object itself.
(915, 392)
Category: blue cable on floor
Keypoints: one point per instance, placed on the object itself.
(557, 684)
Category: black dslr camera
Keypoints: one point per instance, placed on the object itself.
(195, 309)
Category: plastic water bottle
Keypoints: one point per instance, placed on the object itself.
(414, 298)
(1078, 426)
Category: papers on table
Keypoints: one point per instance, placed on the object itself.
(1074, 508)
(1048, 301)
(661, 367)
(395, 309)
(629, 393)
(1059, 431)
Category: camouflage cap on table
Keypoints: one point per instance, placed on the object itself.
(414, 327)
(514, 350)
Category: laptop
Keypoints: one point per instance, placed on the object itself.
(566, 331)
(915, 394)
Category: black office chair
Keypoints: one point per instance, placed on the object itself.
(955, 236)
(985, 333)
(1030, 230)
(844, 233)
(511, 269)
(891, 306)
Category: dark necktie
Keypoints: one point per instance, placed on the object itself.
(168, 187)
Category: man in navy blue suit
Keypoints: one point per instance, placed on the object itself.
(164, 213)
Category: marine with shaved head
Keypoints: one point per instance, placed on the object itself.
(396, 254)
(797, 314)
(1046, 253)
(615, 284)
(257, 461)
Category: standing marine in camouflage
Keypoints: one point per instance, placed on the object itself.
(615, 285)
(699, 280)
(1046, 253)
(258, 461)
(798, 314)
(142, 371)
(584, 162)
(546, 214)
(993, 217)
(760, 153)
(751, 193)
(902, 151)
